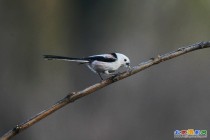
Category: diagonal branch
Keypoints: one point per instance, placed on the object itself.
(76, 95)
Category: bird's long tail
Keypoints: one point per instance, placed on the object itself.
(54, 57)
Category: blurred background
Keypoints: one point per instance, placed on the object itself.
(149, 105)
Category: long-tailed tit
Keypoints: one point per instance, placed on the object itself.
(100, 64)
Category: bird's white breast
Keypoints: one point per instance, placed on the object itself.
(101, 67)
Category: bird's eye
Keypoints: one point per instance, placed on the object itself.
(125, 60)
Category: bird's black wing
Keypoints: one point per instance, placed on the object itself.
(103, 57)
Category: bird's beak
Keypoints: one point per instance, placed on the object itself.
(128, 65)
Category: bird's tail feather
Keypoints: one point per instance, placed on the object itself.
(54, 57)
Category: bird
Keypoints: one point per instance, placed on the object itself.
(100, 64)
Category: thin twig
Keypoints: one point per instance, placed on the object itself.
(76, 95)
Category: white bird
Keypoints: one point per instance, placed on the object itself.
(100, 64)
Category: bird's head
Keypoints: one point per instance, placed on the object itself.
(124, 60)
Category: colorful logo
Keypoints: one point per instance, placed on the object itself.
(190, 133)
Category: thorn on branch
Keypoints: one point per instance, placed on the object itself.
(152, 58)
(181, 49)
(202, 44)
(69, 96)
(16, 129)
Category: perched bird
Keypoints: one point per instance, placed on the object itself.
(100, 64)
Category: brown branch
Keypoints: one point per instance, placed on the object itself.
(76, 95)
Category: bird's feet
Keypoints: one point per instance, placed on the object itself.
(114, 75)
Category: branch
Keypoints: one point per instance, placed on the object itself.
(76, 95)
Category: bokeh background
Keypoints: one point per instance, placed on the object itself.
(149, 105)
